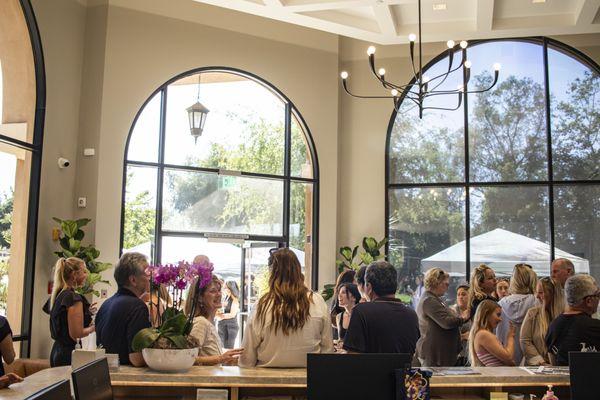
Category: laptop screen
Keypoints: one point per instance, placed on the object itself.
(354, 376)
(59, 391)
(92, 381)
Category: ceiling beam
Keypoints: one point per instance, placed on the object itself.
(275, 3)
(330, 5)
(385, 19)
(485, 15)
(585, 12)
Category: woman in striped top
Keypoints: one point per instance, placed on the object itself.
(485, 350)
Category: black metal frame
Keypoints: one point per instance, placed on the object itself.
(35, 148)
(467, 183)
(286, 178)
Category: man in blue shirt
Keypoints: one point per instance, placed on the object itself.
(124, 314)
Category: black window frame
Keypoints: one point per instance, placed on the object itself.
(35, 148)
(466, 184)
(286, 178)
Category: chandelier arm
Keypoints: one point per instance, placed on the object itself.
(447, 109)
(450, 70)
(412, 60)
(496, 74)
(363, 96)
(380, 78)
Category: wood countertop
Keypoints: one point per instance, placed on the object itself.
(235, 377)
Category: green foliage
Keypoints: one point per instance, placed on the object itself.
(3, 286)
(371, 251)
(175, 327)
(140, 215)
(328, 291)
(6, 208)
(71, 246)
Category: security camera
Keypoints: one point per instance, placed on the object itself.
(63, 163)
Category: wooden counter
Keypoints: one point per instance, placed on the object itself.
(129, 381)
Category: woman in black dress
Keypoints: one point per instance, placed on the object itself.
(7, 351)
(70, 316)
(228, 319)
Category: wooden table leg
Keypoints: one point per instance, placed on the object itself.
(234, 393)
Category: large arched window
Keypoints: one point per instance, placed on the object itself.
(22, 105)
(247, 184)
(512, 176)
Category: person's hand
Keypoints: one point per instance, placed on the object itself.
(219, 315)
(511, 329)
(9, 379)
(145, 297)
(93, 308)
(230, 357)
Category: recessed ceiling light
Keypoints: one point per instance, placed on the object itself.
(439, 6)
(538, 1)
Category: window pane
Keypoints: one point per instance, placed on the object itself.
(244, 128)
(301, 214)
(509, 225)
(301, 162)
(575, 108)
(426, 230)
(143, 144)
(507, 133)
(205, 202)
(140, 210)
(430, 149)
(576, 222)
(15, 165)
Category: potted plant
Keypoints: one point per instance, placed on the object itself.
(71, 244)
(371, 251)
(168, 347)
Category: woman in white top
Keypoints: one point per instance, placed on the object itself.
(204, 330)
(289, 320)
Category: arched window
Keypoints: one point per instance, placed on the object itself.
(512, 176)
(22, 105)
(248, 183)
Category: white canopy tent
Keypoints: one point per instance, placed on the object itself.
(501, 250)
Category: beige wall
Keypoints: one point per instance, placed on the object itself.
(103, 62)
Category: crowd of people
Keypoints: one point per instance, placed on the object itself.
(524, 320)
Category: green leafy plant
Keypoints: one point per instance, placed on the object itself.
(71, 246)
(351, 258)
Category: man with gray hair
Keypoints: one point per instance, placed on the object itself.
(575, 329)
(384, 324)
(561, 269)
(122, 316)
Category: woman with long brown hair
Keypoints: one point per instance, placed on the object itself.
(209, 301)
(482, 287)
(289, 321)
(535, 325)
(70, 313)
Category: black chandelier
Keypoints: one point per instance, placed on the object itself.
(421, 87)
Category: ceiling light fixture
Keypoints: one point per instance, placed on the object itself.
(421, 87)
(439, 6)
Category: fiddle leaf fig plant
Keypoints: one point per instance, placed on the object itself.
(71, 246)
(350, 258)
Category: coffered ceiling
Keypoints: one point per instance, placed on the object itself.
(390, 21)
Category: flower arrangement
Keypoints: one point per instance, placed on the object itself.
(174, 326)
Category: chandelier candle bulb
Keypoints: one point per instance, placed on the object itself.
(412, 37)
(394, 92)
(463, 44)
(450, 44)
(344, 75)
(497, 67)
(382, 71)
(467, 64)
(371, 50)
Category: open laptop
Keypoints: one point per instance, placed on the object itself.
(583, 371)
(58, 391)
(92, 381)
(354, 376)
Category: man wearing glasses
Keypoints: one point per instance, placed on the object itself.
(575, 329)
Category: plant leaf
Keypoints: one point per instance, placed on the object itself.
(74, 245)
(144, 339)
(327, 291)
(346, 252)
(178, 340)
(58, 220)
(82, 222)
(382, 243)
(69, 227)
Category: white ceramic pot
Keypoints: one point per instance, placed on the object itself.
(170, 360)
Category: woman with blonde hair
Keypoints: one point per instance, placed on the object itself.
(482, 287)
(209, 302)
(485, 350)
(516, 304)
(537, 320)
(289, 320)
(70, 313)
(439, 344)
